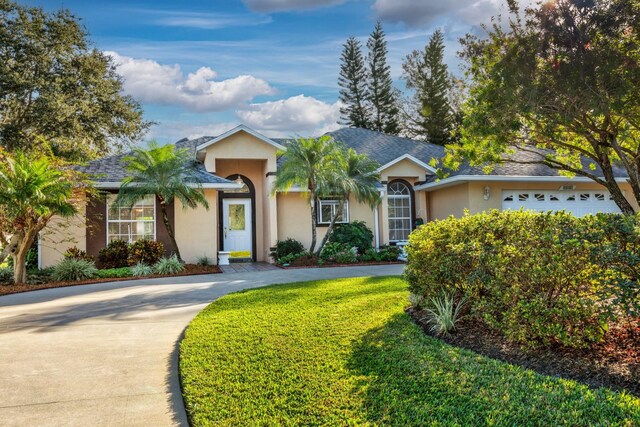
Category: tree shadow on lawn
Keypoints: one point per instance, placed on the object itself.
(413, 379)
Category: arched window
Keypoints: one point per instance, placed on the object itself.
(400, 210)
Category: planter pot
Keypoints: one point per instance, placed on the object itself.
(223, 257)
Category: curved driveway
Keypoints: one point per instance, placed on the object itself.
(106, 354)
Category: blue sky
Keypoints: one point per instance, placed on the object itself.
(200, 67)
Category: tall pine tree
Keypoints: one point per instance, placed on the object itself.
(353, 83)
(430, 116)
(382, 97)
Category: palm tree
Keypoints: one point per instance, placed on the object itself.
(357, 177)
(32, 191)
(165, 172)
(309, 163)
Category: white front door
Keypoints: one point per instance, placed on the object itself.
(236, 227)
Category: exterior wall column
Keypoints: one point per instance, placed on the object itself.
(384, 222)
(271, 217)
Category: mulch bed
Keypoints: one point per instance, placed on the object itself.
(357, 264)
(613, 363)
(190, 270)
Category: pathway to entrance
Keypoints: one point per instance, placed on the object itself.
(243, 267)
(106, 354)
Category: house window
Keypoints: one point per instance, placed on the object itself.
(327, 208)
(399, 202)
(131, 223)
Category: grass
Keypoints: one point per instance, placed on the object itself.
(343, 352)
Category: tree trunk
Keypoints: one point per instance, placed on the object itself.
(612, 185)
(312, 200)
(167, 224)
(20, 257)
(331, 225)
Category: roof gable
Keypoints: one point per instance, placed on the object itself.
(237, 129)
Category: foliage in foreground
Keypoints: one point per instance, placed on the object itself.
(541, 279)
(343, 352)
(114, 273)
(72, 269)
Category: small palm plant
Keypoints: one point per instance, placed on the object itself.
(168, 174)
(444, 313)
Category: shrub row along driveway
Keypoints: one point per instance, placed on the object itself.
(105, 354)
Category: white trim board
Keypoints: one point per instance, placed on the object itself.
(233, 132)
(459, 179)
(411, 159)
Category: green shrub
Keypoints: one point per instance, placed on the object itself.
(534, 277)
(6, 275)
(76, 253)
(141, 269)
(145, 252)
(284, 248)
(340, 253)
(204, 261)
(444, 313)
(108, 273)
(115, 255)
(389, 253)
(354, 234)
(170, 265)
(300, 259)
(71, 269)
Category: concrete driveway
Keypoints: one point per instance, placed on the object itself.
(106, 354)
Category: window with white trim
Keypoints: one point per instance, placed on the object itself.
(327, 208)
(131, 223)
(399, 209)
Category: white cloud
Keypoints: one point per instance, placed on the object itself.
(296, 115)
(267, 6)
(421, 13)
(207, 21)
(154, 83)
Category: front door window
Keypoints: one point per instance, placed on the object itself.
(237, 227)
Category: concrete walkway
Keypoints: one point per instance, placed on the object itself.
(106, 354)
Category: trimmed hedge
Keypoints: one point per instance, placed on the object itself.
(540, 279)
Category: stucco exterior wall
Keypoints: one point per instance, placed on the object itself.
(478, 204)
(294, 218)
(448, 201)
(63, 233)
(240, 146)
(404, 168)
(197, 229)
(455, 199)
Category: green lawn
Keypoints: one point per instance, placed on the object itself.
(343, 352)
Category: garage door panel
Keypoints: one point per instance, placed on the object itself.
(579, 203)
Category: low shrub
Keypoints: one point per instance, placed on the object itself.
(204, 261)
(108, 273)
(389, 253)
(301, 259)
(76, 253)
(145, 252)
(354, 234)
(170, 265)
(115, 255)
(340, 253)
(443, 313)
(6, 275)
(284, 248)
(72, 269)
(141, 269)
(540, 279)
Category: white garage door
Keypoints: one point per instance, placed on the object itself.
(579, 203)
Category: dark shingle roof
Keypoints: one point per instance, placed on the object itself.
(112, 168)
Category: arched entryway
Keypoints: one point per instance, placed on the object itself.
(237, 224)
